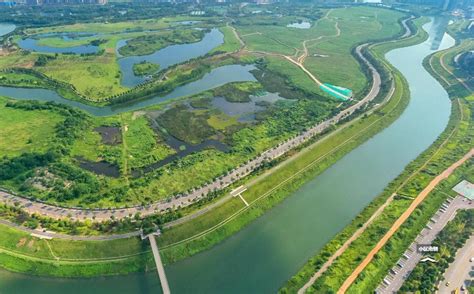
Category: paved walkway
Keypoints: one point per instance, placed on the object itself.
(398, 274)
(419, 199)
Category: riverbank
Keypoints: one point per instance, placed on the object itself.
(455, 140)
(328, 151)
(316, 262)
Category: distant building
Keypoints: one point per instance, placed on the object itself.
(65, 2)
(443, 4)
(438, 3)
(7, 3)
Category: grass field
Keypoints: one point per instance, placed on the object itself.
(96, 77)
(231, 43)
(61, 43)
(20, 252)
(25, 131)
(337, 66)
(329, 41)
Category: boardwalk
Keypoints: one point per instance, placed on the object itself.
(159, 265)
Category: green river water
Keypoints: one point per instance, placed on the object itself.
(261, 257)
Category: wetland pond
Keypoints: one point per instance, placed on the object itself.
(165, 57)
(266, 253)
(6, 28)
(168, 56)
(31, 43)
(215, 78)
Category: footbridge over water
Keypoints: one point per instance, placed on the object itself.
(159, 265)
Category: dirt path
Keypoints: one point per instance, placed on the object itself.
(419, 199)
(236, 34)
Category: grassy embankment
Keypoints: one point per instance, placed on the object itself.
(460, 133)
(21, 252)
(231, 43)
(460, 140)
(449, 81)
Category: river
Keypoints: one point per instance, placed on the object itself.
(6, 28)
(261, 257)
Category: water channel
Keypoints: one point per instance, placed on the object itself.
(215, 78)
(167, 56)
(6, 28)
(261, 257)
(31, 44)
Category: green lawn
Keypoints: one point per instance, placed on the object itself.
(359, 24)
(145, 68)
(96, 77)
(143, 145)
(25, 131)
(61, 43)
(231, 43)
